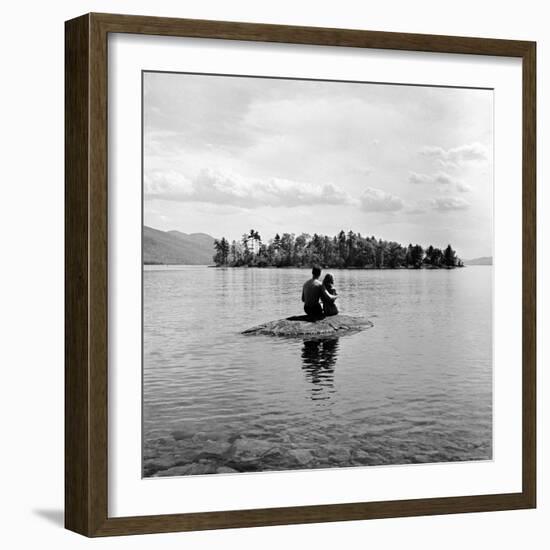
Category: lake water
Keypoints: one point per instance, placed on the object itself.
(415, 388)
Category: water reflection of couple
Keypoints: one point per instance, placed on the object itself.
(318, 361)
(319, 297)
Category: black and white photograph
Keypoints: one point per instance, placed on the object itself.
(274, 275)
(317, 274)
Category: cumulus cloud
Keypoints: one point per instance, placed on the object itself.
(440, 178)
(473, 152)
(376, 200)
(215, 187)
(463, 187)
(446, 204)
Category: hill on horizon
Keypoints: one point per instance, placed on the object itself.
(202, 239)
(175, 247)
(484, 260)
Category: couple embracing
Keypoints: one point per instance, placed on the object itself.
(319, 297)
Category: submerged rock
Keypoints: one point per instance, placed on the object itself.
(188, 470)
(302, 325)
(301, 456)
(185, 432)
(245, 449)
(226, 470)
(214, 448)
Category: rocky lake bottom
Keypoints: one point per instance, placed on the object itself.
(188, 453)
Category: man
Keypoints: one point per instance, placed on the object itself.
(311, 294)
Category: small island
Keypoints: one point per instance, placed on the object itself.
(342, 251)
(304, 326)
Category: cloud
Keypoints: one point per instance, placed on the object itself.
(463, 187)
(446, 204)
(376, 200)
(474, 152)
(215, 187)
(442, 204)
(440, 178)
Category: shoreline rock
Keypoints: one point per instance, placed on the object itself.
(304, 326)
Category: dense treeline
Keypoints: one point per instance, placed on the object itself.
(345, 250)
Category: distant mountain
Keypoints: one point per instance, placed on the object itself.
(202, 239)
(485, 260)
(175, 247)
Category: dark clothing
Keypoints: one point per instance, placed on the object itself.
(311, 292)
(329, 306)
(314, 310)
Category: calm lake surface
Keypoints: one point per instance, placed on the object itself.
(417, 387)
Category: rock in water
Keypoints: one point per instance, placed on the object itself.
(247, 449)
(302, 325)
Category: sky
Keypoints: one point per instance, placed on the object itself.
(225, 154)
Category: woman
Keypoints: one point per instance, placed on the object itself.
(329, 296)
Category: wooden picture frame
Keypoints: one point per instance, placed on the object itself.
(86, 282)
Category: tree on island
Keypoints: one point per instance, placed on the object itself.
(449, 257)
(222, 251)
(343, 250)
(252, 241)
(416, 256)
(434, 257)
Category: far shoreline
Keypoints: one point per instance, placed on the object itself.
(307, 268)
